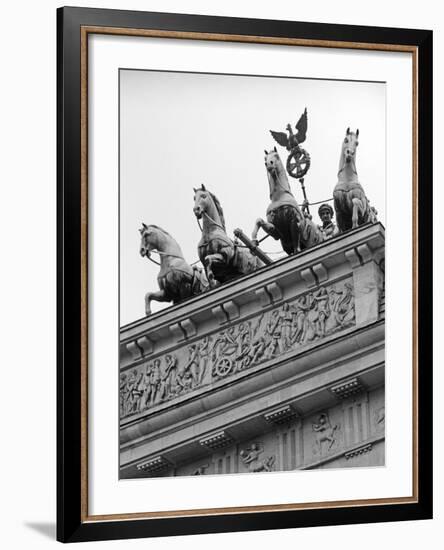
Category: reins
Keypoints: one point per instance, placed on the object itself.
(319, 202)
(214, 221)
(236, 242)
(166, 254)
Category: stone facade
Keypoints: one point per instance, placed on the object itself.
(280, 369)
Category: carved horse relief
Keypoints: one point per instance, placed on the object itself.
(254, 462)
(177, 279)
(222, 258)
(285, 221)
(324, 432)
(351, 204)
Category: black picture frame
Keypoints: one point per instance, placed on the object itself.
(73, 523)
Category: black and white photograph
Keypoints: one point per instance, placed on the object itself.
(252, 219)
(221, 300)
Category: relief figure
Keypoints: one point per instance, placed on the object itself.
(324, 432)
(251, 458)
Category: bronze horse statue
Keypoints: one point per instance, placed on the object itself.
(351, 204)
(177, 279)
(222, 258)
(285, 220)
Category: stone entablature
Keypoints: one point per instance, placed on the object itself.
(225, 372)
(325, 438)
(299, 383)
(281, 381)
(312, 296)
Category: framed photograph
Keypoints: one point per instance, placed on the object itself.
(244, 274)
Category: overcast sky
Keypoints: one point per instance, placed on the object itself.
(178, 130)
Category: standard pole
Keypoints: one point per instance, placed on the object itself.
(255, 250)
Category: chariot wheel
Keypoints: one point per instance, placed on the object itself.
(298, 163)
(223, 366)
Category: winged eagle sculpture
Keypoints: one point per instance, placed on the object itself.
(298, 161)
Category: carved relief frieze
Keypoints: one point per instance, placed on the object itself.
(325, 435)
(273, 333)
(254, 459)
(379, 419)
(201, 470)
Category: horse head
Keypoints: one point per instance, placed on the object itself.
(349, 146)
(202, 201)
(208, 205)
(273, 164)
(152, 238)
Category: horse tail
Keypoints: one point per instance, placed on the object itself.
(343, 209)
(287, 221)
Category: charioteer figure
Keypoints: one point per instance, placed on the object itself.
(328, 228)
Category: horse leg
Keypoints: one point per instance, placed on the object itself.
(357, 207)
(257, 225)
(340, 221)
(339, 206)
(209, 262)
(159, 296)
(331, 437)
(366, 214)
(269, 228)
(295, 232)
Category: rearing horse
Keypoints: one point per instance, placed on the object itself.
(222, 258)
(351, 204)
(285, 221)
(177, 279)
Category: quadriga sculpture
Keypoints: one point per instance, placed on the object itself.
(285, 220)
(351, 204)
(222, 258)
(177, 279)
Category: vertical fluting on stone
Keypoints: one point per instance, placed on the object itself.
(290, 445)
(280, 451)
(293, 448)
(347, 422)
(356, 419)
(300, 443)
(365, 417)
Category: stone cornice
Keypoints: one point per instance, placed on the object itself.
(281, 414)
(347, 388)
